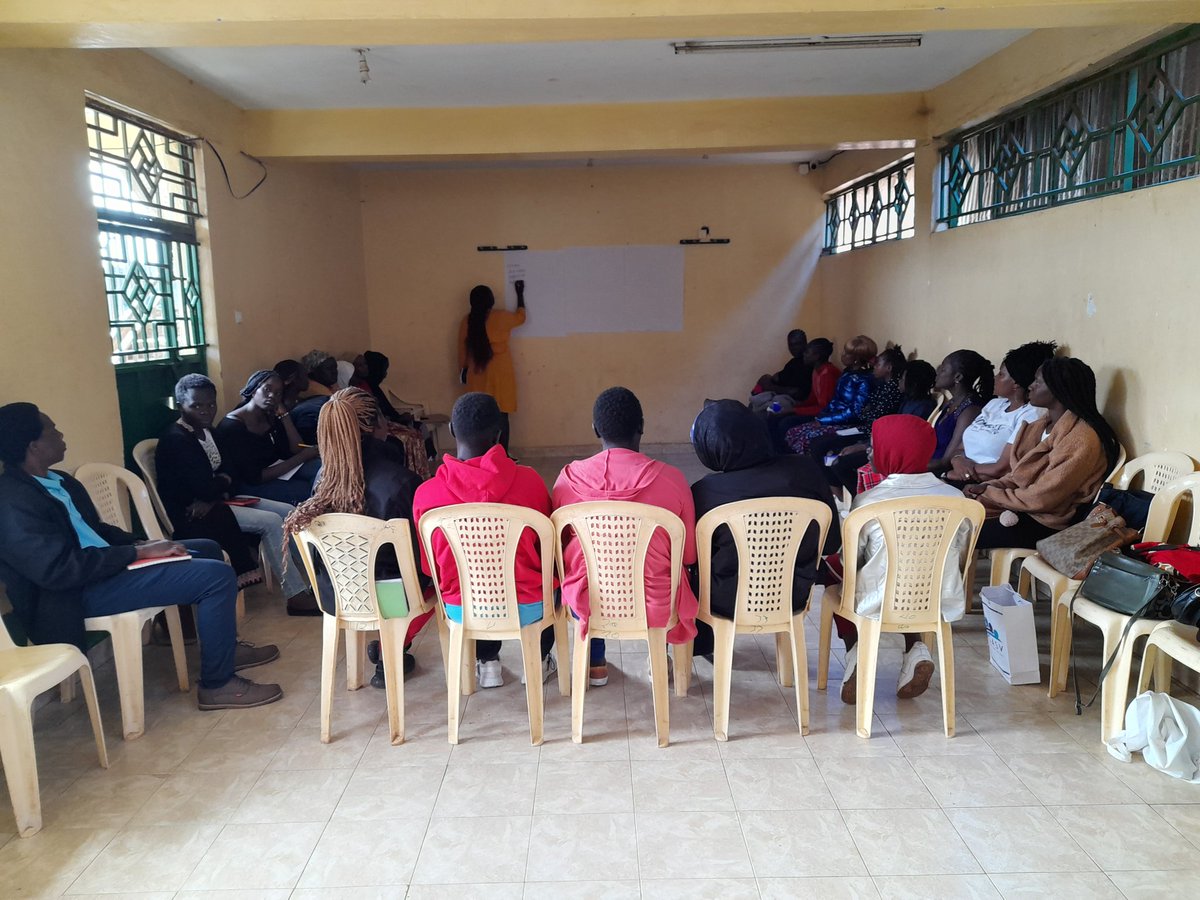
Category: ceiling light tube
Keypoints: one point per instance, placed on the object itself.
(817, 42)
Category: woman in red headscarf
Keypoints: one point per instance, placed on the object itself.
(902, 446)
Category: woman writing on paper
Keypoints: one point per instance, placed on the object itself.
(484, 362)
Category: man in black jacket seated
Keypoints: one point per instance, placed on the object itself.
(62, 564)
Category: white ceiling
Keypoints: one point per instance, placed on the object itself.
(569, 72)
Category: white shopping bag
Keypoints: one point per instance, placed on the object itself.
(1012, 641)
(1165, 731)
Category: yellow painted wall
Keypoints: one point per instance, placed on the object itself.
(289, 257)
(994, 285)
(420, 233)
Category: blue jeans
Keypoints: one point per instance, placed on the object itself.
(295, 490)
(265, 519)
(206, 581)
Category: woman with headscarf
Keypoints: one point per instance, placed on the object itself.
(484, 362)
(362, 475)
(261, 448)
(987, 441)
(901, 446)
(733, 442)
(401, 426)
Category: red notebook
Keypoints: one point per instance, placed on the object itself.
(242, 501)
(156, 561)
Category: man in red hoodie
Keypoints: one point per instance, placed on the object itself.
(621, 472)
(482, 472)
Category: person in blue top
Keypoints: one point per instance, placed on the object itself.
(62, 564)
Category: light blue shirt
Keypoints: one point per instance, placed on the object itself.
(87, 535)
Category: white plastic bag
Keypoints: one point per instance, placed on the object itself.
(1167, 733)
(1012, 639)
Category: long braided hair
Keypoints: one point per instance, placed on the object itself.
(1073, 384)
(344, 419)
(479, 347)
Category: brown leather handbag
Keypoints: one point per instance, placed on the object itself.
(1073, 550)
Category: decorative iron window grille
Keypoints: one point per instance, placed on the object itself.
(143, 181)
(872, 210)
(1134, 125)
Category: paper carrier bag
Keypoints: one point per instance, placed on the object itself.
(1012, 641)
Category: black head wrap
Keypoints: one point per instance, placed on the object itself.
(377, 367)
(20, 426)
(255, 381)
(727, 436)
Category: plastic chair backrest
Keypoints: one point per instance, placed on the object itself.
(939, 400)
(143, 455)
(347, 545)
(614, 537)
(1164, 509)
(484, 537)
(767, 533)
(918, 533)
(109, 486)
(6, 641)
(1157, 469)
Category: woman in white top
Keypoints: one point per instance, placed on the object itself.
(902, 446)
(987, 441)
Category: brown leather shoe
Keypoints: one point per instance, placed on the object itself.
(247, 655)
(239, 693)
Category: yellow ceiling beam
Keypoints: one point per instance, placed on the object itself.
(198, 23)
(713, 126)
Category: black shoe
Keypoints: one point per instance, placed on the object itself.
(303, 604)
(378, 680)
(247, 655)
(373, 653)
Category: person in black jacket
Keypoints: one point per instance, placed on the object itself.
(61, 564)
(733, 442)
(362, 473)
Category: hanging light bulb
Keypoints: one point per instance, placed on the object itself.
(364, 71)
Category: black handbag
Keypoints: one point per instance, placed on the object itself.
(1186, 608)
(1129, 587)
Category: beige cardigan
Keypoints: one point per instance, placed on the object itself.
(1050, 479)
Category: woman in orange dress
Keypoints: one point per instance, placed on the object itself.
(484, 361)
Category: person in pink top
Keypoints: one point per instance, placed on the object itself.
(481, 472)
(620, 472)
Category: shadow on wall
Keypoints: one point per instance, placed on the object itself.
(758, 326)
(1116, 401)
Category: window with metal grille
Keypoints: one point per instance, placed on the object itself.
(143, 181)
(872, 210)
(1134, 125)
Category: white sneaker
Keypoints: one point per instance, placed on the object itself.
(549, 667)
(916, 669)
(489, 674)
(849, 681)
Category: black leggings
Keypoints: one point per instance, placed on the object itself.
(1026, 533)
(486, 651)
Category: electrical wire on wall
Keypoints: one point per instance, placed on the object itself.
(225, 171)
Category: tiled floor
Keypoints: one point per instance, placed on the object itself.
(1024, 801)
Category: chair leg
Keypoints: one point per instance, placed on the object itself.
(264, 563)
(683, 668)
(969, 585)
(443, 637)
(1114, 693)
(1060, 648)
(562, 647)
(579, 685)
(868, 660)
(1027, 585)
(657, 639)
(20, 762)
(784, 671)
(329, 652)
(175, 630)
(1149, 665)
(93, 708)
(798, 655)
(531, 657)
(391, 644)
(240, 608)
(66, 690)
(469, 681)
(824, 642)
(945, 640)
(127, 657)
(356, 659)
(1162, 673)
(454, 678)
(724, 633)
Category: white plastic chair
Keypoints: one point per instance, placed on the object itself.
(1114, 691)
(1170, 641)
(1157, 470)
(110, 487)
(143, 455)
(347, 546)
(614, 537)
(918, 533)
(767, 534)
(24, 673)
(483, 538)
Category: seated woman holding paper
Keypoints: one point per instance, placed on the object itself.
(261, 448)
(1058, 463)
(365, 475)
(194, 487)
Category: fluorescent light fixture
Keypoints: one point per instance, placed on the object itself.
(816, 42)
